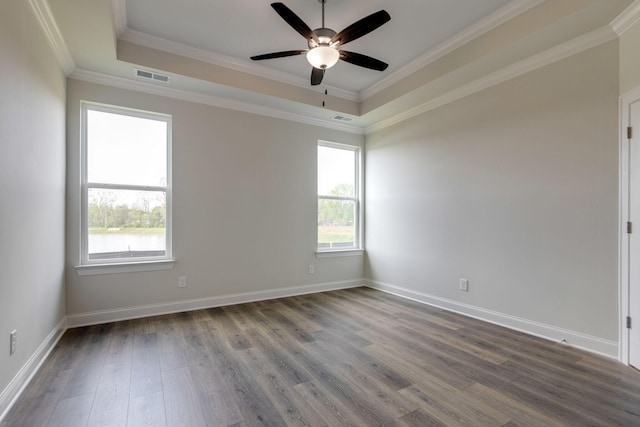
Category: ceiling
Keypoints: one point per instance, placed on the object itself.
(433, 47)
(242, 28)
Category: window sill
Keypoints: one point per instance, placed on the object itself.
(130, 267)
(339, 253)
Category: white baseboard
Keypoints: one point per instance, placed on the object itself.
(17, 385)
(105, 316)
(575, 339)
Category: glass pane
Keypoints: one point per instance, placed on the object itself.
(336, 225)
(336, 172)
(126, 224)
(126, 150)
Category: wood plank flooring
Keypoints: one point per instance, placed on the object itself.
(355, 357)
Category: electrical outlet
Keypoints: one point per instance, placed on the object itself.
(182, 281)
(464, 285)
(312, 269)
(13, 342)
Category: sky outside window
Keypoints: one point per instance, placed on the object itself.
(126, 150)
(335, 167)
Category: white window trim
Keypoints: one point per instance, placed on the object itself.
(337, 253)
(358, 249)
(101, 266)
(131, 267)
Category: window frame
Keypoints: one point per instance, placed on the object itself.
(358, 247)
(117, 265)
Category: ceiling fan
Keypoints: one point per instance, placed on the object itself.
(324, 43)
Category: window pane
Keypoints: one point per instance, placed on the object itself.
(336, 172)
(126, 150)
(336, 223)
(125, 223)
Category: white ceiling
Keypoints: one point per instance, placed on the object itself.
(242, 28)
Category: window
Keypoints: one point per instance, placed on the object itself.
(338, 197)
(126, 185)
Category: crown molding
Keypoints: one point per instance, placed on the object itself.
(629, 17)
(557, 53)
(52, 33)
(564, 50)
(236, 64)
(119, 12)
(212, 100)
(485, 25)
(490, 22)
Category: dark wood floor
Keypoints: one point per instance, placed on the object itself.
(355, 357)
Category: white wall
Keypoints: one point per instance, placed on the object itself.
(244, 200)
(515, 189)
(32, 188)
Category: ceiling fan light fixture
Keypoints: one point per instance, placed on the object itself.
(324, 43)
(323, 57)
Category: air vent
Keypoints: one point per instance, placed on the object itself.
(342, 118)
(151, 75)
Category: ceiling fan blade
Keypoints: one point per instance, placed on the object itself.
(316, 76)
(282, 54)
(293, 20)
(361, 27)
(363, 60)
